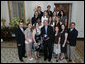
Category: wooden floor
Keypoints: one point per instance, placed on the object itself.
(9, 51)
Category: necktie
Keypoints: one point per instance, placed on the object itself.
(46, 29)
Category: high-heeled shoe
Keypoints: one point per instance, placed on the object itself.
(56, 60)
(38, 56)
(62, 58)
(30, 59)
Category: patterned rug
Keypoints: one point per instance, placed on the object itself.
(9, 54)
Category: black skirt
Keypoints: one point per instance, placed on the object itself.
(63, 49)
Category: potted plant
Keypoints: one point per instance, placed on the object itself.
(15, 22)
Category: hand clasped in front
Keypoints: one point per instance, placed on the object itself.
(45, 37)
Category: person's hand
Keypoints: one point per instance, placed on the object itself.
(19, 44)
(47, 38)
(68, 42)
(30, 43)
(63, 45)
(35, 44)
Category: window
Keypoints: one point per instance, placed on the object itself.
(16, 9)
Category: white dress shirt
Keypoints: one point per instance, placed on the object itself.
(22, 29)
(42, 20)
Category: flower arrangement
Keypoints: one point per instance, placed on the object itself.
(15, 21)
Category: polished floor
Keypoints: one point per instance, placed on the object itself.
(9, 54)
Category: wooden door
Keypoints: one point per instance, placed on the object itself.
(65, 8)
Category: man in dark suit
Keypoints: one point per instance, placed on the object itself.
(72, 36)
(47, 36)
(48, 11)
(20, 38)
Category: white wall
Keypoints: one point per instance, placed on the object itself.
(79, 18)
(77, 11)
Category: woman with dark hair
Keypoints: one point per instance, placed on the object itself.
(28, 40)
(37, 40)
(49, 11)
(50, 22)
(40, 13)
(39, 22)
(63, 17)
(34, 19)
(57, 50)
(63, 40)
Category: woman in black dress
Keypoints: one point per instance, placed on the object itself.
(37, 40)
(63, 40)
(34, 19)
(50, 21)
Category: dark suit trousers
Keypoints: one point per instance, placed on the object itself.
(21, 51)
(47, 50)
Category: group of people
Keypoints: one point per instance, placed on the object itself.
(52, 17)
(48, 30)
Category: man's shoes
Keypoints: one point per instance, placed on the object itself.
(49, 60)
(56, 60)
(45, 59)
(66, 57)
(25, 56)
(70, 60)
(21, 60)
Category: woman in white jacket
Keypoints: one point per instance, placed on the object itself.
(44, 17)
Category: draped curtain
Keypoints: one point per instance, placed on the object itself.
(16, 8)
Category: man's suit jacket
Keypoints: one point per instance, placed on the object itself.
(72, 36)
(50, 32)
(20, 37)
